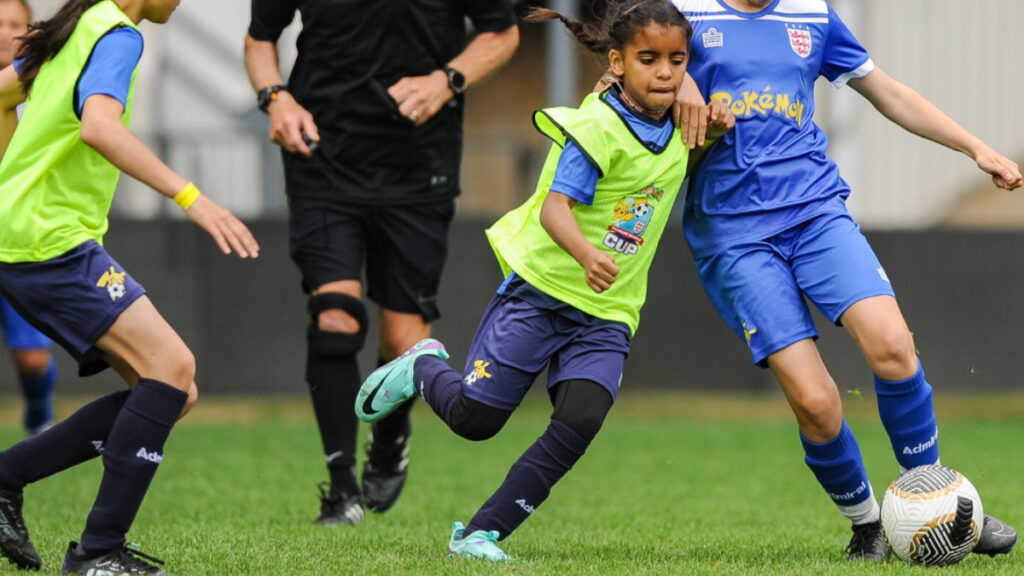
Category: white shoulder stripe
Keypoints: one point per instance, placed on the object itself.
(802, 7)
(773, 17)
(698, 6)
(861, 71)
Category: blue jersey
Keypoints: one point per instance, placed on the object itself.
(772, 171)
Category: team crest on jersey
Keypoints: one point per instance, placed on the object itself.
(799, 39)
(113, 281)
(631, 217)
(713, 38)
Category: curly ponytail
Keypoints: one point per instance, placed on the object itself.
(44, 39)
(621, 22)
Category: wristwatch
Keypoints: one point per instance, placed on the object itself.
(456, 80)
(268, 95)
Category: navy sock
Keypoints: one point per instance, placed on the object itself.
(134, 449)
(334, 380)
(74, 440)
(439, 385)
(38, 393)
(906, 411)
(530, 480)
(838, 466)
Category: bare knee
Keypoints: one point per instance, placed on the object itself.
(891, 354)
(178, 369)
(33, 363)
(193, 397)
(819, 413)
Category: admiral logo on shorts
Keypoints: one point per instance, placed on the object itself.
(113, 281)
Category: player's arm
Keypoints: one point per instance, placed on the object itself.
(718, 120)
(10, 96)
(289, 121)
(103, 131)
(420, 97)
(909, 109)
(558, 221)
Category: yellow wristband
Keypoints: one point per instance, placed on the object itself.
(188, 196)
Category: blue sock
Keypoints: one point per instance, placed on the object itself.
(135, 448)
(439, 385)
(74, 440)
(529, 481)
(38, 393)
(838, 466)
(906, 411)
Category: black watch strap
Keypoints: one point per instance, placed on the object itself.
(268, 95)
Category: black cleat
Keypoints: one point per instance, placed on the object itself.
(997, 537)
(338, 507)
(122, 561)
(868, 543)
(14, 541)
(387, 465)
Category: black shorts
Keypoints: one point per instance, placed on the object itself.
(403, 247)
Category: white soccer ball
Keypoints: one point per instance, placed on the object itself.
(932, 515)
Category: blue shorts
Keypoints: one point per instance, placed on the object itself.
(18, 333)
(73, 298)
(759, 287)
(516, 341)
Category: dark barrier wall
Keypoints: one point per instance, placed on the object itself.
(245, 320)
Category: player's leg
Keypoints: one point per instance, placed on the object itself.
(406, 256)
(35, 365)
(755, 292)
(327, 243)
(585, 373)
(164, 390)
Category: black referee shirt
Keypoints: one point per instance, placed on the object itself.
(349, 53)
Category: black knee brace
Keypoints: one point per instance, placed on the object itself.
(582, 406)
(475, 420)
(336, 343)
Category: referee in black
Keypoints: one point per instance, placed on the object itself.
(370, 126)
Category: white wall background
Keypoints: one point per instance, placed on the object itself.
(963, 55)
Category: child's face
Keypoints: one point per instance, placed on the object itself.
(652, 65)
(13, 23)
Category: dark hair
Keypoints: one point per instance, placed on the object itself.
(46, 37)
(621, 21)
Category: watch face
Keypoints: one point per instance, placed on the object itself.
(456, 81)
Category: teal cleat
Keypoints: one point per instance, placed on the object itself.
(479, 544)
(391, 385)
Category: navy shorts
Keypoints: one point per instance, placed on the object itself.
(403, 247)
(516, 341)
(759, 287)
(18, 333)
(73, 298)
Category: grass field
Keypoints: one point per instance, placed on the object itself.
(674, 484)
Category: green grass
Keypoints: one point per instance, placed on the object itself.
(674, 484)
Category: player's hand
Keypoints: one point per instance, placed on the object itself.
(690, 113)
(720, 120)
(230, 234)
(601, 270)
(1005, 172)
(420, 97)
(289, 123)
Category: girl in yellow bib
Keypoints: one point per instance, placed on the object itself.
(576, 257)
(76, 74)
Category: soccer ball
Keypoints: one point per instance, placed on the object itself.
(932, 515)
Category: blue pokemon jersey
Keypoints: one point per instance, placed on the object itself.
(772, 171)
